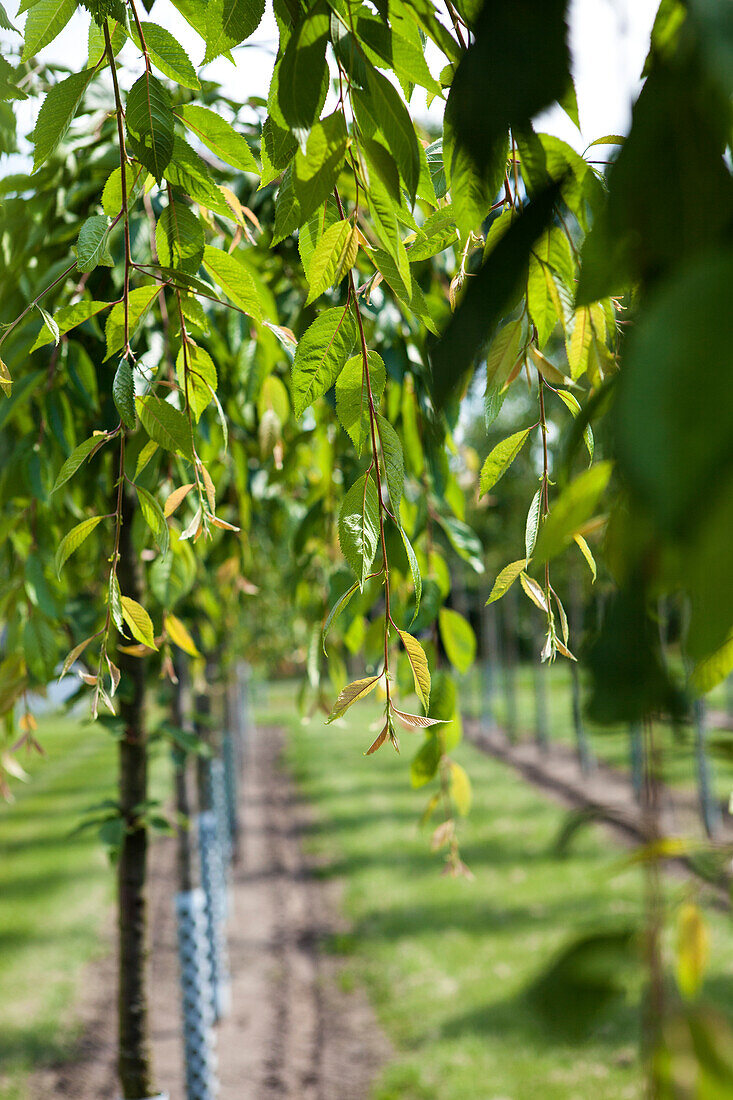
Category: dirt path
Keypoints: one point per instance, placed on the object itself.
(292, 1033)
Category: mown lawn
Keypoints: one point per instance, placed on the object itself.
(55, 893)
(609, 744)
(447, 962)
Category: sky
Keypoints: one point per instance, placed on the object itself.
(608, 42)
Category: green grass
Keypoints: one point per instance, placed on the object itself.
(447, 962)
(609, 744)
(55, 892)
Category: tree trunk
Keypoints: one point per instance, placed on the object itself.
(135, 1068)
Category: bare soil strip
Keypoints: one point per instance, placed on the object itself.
(292, 1033)
(604, 790)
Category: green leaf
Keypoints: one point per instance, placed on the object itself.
(321, 353)
(229, 22)
(311, 231)
(313, 176)
(532, 524)
(76, 458)
(574, 507)
(180, 238)
(234, 279)
(459, 640)
(71, 542)
(352, 399)
(46, 19)
(572, 403)
(715, 668)
(578, 339)
(487, 297)
(395, 123)
(393, 461)
(139, 300)
(5, 22)
(190, 174)
(587, 554)
(302, 70)
(415, 571)
(500, 459)
(472, 192)
(333, 257)
(168, 55)
(150, 124)
(202, 378)
(123, 393)
(358, 526)
(138, 621)
(57, 109)
(336, 610)
(464, 541)
(517, 64)
(145, 456)
(419, 665)
(424, 764)
(503, 353)
(135, 178)
(152, 513)
(219, 136)
(506, 579)
(350, 694)
(49, 323)
(167, 426)
(92, 245)
(534, 592)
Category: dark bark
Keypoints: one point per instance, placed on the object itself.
(135, 1067)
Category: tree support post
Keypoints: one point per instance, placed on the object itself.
(709, 811)
(199, 1037)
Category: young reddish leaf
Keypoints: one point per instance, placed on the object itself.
(416, 721)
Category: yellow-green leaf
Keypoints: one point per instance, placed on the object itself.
(419, 664)
(179, 635)
(693, 949)
(587, 554)
(506, 579)
(349, 695)
(139, 622)
(71, 542)
(501, 459)
(460, 789)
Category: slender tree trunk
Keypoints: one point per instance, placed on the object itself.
(135, 1066)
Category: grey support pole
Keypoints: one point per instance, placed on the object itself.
(586, 759)
(199, 1040)
(490, 648)
(709, 811)
(636, 748)
(214, 884)
(509, 654)
(539, 681)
